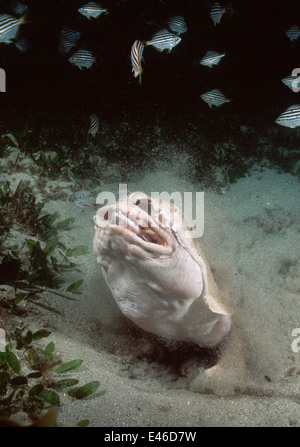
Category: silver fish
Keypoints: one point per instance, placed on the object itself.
(216, 13)
(65, 45)
(290, 117)
(70, 34)
(94, 128)
(136, 58)
(82, 58)
(164, 40)
(290, 82)
(214, 98)
(22, 44)
(18, 7)
(293, 32)
(91, 9)
(9, 27)
(178, 25)
(211, 58)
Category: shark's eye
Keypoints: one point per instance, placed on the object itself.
(106, 215)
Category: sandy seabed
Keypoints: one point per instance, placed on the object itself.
(251, 239)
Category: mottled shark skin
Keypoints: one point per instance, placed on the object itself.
(157, 274)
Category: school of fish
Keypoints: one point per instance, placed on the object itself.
(164, 39)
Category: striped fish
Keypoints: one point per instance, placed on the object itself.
(290, 118)
(18, 7)
(178, 25)
(70, 34)
(22, 44)
(82, 58)
(136, 59)
(211, 58)
(91, 9)
(65, 45)
(291, 82)
(94, 127)
(214, 98)
(216, 13)
(164, 40)
(293, 32)
(9, 27)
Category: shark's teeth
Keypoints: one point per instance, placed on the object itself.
(117, 217)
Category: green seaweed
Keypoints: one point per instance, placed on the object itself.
(66, 367)
(38, 261)
(85, 390)
(35, 391)
(208, 390)
(83, 423)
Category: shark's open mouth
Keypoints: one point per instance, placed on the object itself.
(147, 233)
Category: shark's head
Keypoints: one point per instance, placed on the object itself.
(155, 271)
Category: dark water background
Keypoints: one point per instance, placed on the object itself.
(44, 91)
